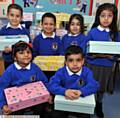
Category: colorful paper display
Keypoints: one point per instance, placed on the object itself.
(103, 47)
(49, 63)
(81, 105)
(26, 95)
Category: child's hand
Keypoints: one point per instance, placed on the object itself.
(72, 94)
(50, 99)
(94, 55)
(108, 56)
(118, 59)
(7, 49)
(77, 93)
(6, 110)
(102, 55)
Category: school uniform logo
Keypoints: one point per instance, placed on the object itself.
(74, 43)
(54, 45)
(81, 82)
(33, 78)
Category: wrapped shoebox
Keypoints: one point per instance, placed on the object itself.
(26, 95)
(9, 40)
(103, 47)
(81, 105)
(49, 63)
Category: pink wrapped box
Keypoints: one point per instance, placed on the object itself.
(26, 95)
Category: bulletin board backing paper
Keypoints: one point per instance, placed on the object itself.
(3, 7)
(96, 3)
(66, 6)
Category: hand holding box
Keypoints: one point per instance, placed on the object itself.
(26, 95)
(81, 105)
(103, 47)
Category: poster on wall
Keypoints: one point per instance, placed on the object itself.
(96, 3)
(66, 6)
(3, 7)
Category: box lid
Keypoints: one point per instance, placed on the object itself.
(49, 58)
(83, 101)
(105, 43)
(15, 38)
(25, 92)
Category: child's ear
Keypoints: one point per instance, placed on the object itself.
(83, 61)
(65, 63)
(21, 18)
(7, 15)
(14, 58)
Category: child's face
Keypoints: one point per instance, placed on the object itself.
(75, 62)
(106, 18)
(48, 26)
(23, 58)
(75, 27)
(14, 17)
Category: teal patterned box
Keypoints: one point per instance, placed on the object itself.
(81, 105)
(103, 47)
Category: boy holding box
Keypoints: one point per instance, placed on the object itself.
(74, 79)
(14, 15)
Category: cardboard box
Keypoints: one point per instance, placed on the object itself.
(103, 47)
(26, 95)
(49, 63)
(81, 105)
(8, 41)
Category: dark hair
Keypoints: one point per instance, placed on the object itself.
(73, 49)
(20, 46)
(50, 15)
(80, 19)
(113, 25)
(15, 6)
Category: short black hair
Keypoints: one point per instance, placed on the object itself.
(15, 6)
(50, 15)
(20, 46)
(73, 49)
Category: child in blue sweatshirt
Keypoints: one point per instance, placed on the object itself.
(103, 29)
(75, 34)
(14, 15)
(22, 72)
(74, 79)
(47, 43)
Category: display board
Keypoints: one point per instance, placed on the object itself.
(3, 7)
(96, 3)
(66, 6)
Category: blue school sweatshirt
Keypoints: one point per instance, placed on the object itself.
(46, 46)
(18, 77)
(12, 31)
(100, 35)
(80, 40)
(62, 81)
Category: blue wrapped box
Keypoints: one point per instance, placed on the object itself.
(9, 40)
(81, 105)
(103, 47)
